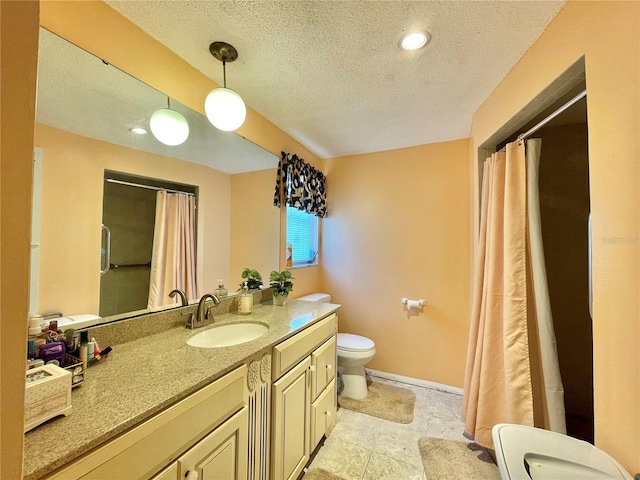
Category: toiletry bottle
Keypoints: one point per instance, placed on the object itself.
(220, 292)
(245, 301)
(34, 331)
(84, 343)
(32, 350)
(289, 255)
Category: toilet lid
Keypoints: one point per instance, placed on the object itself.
(550, 455)
(354, 343)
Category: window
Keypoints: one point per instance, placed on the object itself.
(302, 234)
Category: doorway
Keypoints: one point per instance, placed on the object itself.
(564, 210)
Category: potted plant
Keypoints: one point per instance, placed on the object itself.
(253, 279)
(281, 284)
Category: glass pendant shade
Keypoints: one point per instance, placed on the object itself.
(225, 109)
(169, 127)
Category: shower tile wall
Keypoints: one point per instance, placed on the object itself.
(130, 214)
(564, 208)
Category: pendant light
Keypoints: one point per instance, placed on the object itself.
(169, 126)
(225, 109)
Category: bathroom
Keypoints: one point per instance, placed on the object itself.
(443, 195)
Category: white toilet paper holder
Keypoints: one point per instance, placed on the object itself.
(413, 303)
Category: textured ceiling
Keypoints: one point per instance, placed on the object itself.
(330, 73)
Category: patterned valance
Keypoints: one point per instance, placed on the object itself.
(300, 185)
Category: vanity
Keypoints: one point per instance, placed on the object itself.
(162, 409)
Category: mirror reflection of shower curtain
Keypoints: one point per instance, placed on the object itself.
(173, 263)
(512, 373)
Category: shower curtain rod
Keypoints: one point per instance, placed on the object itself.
(550, 117)
(150, 187)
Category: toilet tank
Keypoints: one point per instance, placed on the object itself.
(316, 297)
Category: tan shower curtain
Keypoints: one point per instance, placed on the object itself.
(504, 380)
(173, 263)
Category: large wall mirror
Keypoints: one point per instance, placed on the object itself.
(84, 115)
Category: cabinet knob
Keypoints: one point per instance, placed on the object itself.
(329, 367)
(312, 368)
(191, 475)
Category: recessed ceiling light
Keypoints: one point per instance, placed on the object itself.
(138, 131)
(414, 40)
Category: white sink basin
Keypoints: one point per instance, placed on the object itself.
(228, 335)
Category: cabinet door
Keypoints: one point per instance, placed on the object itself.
(323, 414)
(323, 360)
(221, 455)
(291, 397)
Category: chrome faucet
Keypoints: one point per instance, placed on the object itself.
(203, 313)
(183, 297)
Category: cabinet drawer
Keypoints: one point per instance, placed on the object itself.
(286, 354)
(323, 360)
(169, 473)
(323, 414)
(147, 448)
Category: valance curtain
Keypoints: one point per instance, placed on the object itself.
(512, 373)
(300, 185)
(173, 262)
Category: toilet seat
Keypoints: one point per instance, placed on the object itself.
(348, 342)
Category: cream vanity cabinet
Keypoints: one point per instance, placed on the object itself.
(303, 396)
(201, 437)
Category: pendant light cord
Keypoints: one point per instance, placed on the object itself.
(224, 73)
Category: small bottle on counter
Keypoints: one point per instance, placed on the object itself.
(220, 292)
(289, 255)
(84, 344)
(34, 331)
(245, 301)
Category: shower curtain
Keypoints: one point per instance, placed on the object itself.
(512, 373)
(173, 262)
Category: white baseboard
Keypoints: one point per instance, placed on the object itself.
(415, 381)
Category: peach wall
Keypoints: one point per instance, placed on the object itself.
(255, 225)
(72, 214)
(399, 227)
(607, 34)
(18, 64)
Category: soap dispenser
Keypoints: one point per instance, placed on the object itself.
(221, 292)
(245, 301)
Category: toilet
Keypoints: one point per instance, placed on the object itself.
(354, 352)
(524, 452)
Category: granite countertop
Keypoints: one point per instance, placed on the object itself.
(142, 377)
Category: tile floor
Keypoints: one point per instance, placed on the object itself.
(362, 447)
